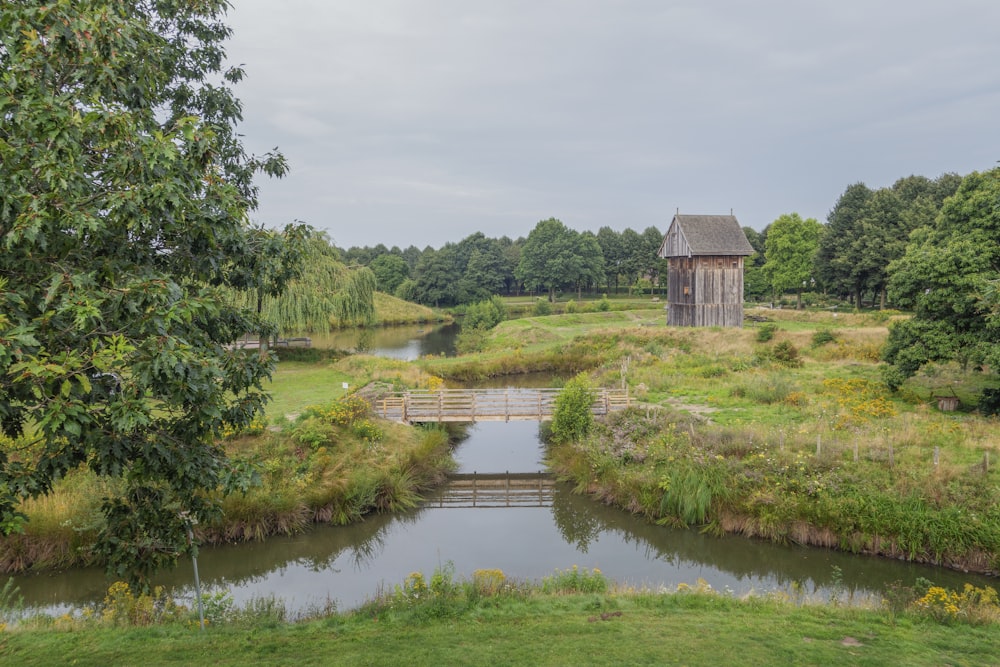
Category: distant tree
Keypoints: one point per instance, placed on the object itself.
(651, 263)
(591, 262)
(437, 275)
(948, 277)
(485, 274)
(323, 294)
(550, 257)
(632, 255)
(390, 270)
(789, 253)
(124, 201)
(834, 269)
(611, 248)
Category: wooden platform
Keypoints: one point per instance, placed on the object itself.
(475, 405)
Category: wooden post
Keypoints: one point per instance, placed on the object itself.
(819, 444)
(937, 456)
(855, 449)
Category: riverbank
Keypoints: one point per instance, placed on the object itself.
(782, 431)
(572, 617)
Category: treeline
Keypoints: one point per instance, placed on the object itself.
(846, 258)
(551, 259)
(849, 257)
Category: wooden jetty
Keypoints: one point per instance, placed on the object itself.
(475, 405)
(506, 489)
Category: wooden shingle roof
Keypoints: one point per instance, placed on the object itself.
(692, 235)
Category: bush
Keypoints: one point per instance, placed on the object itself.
(485, 314)
(573, 419)
(542, 307)
(824, 336)
(787, 354)
(766, 332)
(989, 402)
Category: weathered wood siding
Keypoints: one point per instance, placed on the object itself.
(674, 244)
(705, 291)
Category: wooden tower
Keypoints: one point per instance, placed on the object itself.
(705, 277)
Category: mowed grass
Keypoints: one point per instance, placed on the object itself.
(577, 629)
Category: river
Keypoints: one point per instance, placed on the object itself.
(347, 565)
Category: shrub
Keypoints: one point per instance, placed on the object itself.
(485, 314)
(572, 418)
(989, 402)
(766, 332)
(604, 305)
(787, 354)
(542, 307)
(824, 336)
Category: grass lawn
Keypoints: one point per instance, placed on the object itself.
(578, 629)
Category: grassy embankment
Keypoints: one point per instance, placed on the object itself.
(390, 311)
(572, 617)
(320, 458)
(782, 431)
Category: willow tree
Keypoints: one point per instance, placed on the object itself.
(317, 291)
(124, 201)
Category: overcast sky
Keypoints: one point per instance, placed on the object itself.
(418, 122)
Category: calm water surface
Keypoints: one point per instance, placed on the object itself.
(350, 564)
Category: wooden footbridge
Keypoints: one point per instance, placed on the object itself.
(476, 405)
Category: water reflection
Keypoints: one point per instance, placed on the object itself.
(349, 564)
(406, 342)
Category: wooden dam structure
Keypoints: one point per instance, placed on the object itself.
(479, 405)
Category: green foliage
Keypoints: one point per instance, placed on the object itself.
(989, 401)
(575, 580)
(786, 353)
(554, 256)
(124, 210)
(765, 332)
(948, 277)
(791, 247)
(824, 337)
(485, 314)
(573, 417)
(542, 308)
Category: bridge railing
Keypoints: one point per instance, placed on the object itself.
(465, 405)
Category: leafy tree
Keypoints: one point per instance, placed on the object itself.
(948, 277)
(549, 257)
(325, 294)
(437, 275)
(632, 255)
(591, 262)
(123, 212)
(611, 248)
(651, 265)
(833, 266)
(789, 252)
(390, 270)
(485, 273)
